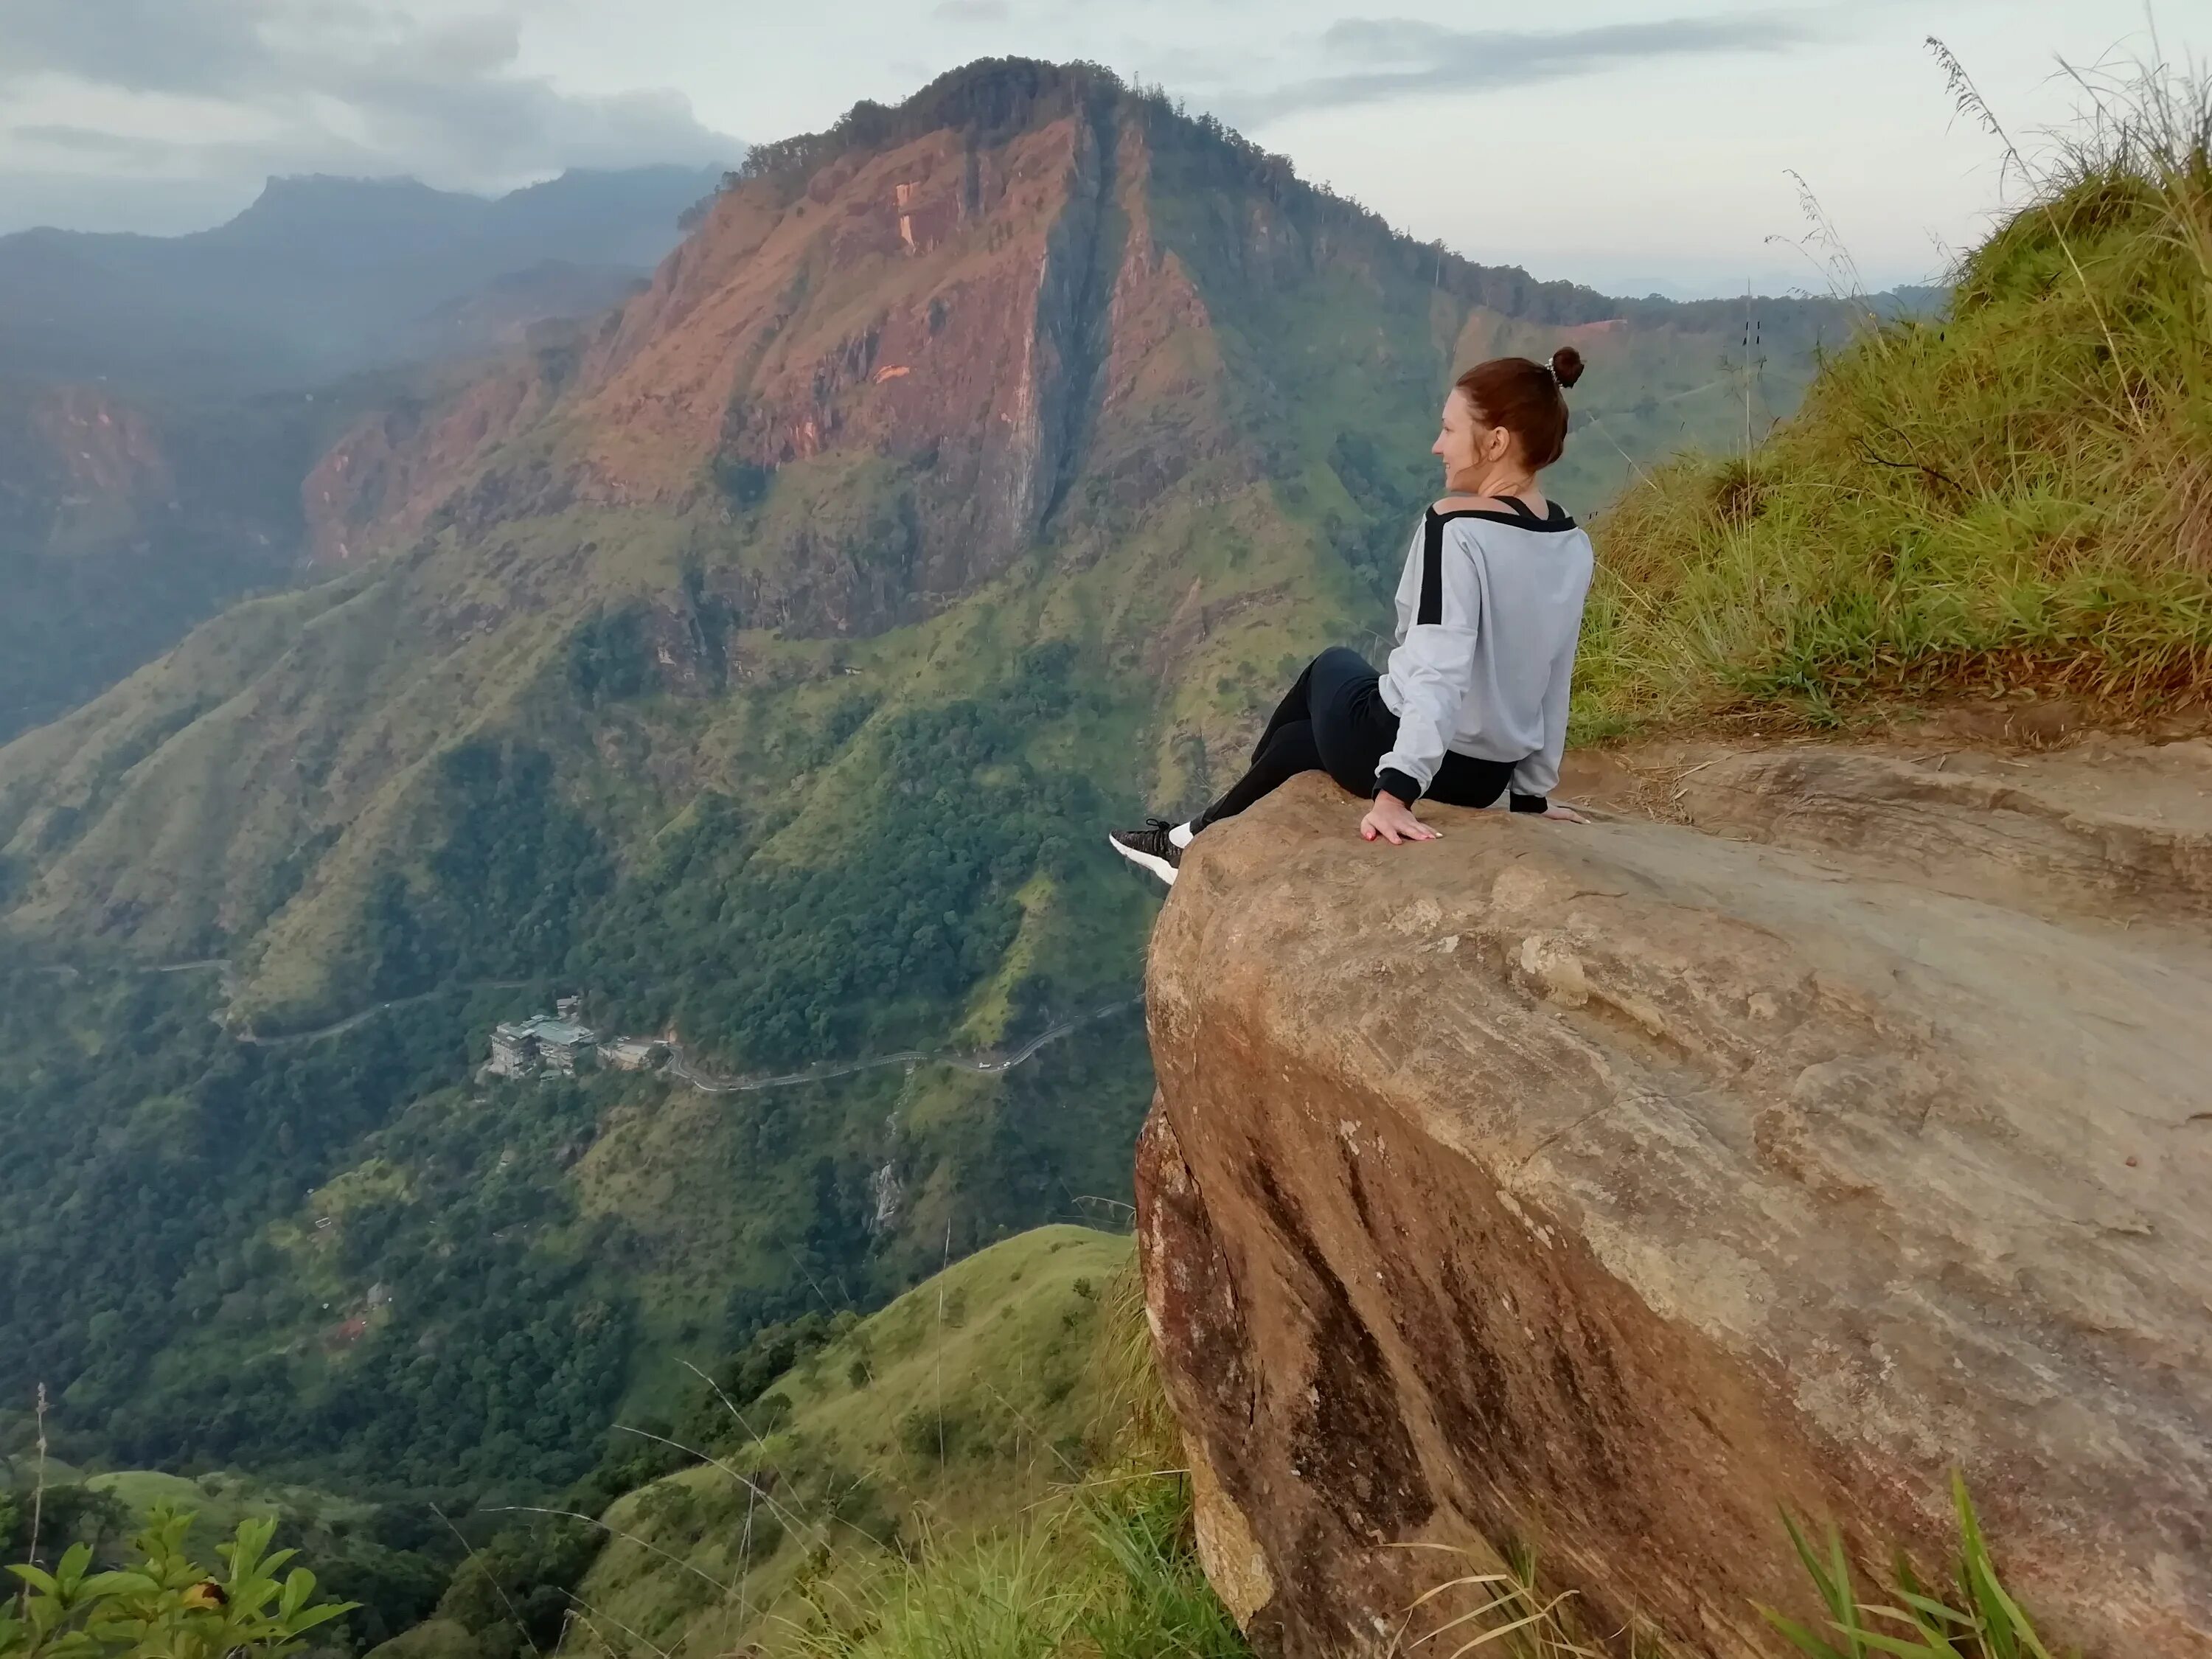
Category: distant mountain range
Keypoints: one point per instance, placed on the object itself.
(323, 277)
(161, 397)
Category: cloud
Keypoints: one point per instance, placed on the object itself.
(971, 11)
(292, 86)
(1404, 56)
(121, 149)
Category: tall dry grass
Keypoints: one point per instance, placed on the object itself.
(2015, 496)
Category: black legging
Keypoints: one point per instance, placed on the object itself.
(1334, 720)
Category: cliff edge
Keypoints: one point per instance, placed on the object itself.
(1611, 1189)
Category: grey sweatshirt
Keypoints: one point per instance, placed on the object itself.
(1490, 609)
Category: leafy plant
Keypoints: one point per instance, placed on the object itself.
(1986, 1624)
(167, 1606)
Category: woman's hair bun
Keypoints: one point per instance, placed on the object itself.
(1567, 366)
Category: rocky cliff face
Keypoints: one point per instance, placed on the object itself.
(921, 320)
(1611, 1189)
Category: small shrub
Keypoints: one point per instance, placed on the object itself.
(744, 484)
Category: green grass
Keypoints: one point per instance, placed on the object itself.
(2013, 498)
(1981, 1621)
(938, 1452)
(1055, 1521)
(1108, 1575)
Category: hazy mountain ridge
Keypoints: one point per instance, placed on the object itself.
(148, 474)
(122, 524)
(319, 278)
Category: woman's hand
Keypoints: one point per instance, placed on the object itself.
(1564, 814)
(1394, 821)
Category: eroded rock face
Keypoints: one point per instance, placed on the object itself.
(1612, 1188)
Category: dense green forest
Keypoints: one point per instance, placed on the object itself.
(762, 958)
(340, 1263)
(345, 1262)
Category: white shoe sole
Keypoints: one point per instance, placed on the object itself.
(1160, 867)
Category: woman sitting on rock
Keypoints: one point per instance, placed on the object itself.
(1473, 703)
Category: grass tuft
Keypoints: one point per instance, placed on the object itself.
(1985, 1622)
(2015, 497)
(1497, 1608)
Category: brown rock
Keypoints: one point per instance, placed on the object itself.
(1611, 1190)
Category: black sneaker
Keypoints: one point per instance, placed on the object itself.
(1150, 847)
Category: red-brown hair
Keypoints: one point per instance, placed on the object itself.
(1528, 399)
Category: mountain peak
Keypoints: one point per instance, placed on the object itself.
(320, 205)
(990, 100)
(289, 192)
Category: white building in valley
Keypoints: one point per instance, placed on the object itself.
(541, 1043)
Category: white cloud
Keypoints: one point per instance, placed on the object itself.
(224, 92)
(1402, 57)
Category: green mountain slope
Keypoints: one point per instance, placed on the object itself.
(963, 1402)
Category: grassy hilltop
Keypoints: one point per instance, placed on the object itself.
(2013, 498)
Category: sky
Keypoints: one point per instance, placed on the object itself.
(1637, 147)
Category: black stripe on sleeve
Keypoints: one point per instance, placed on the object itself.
(1432, 571)
(1398, 783)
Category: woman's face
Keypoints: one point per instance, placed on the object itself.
(1465, 445)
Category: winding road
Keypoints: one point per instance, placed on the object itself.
(286, 1039)
(66, 971)
(989, 1064)
(678, 1066)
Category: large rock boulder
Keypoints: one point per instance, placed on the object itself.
(1613, 1190)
